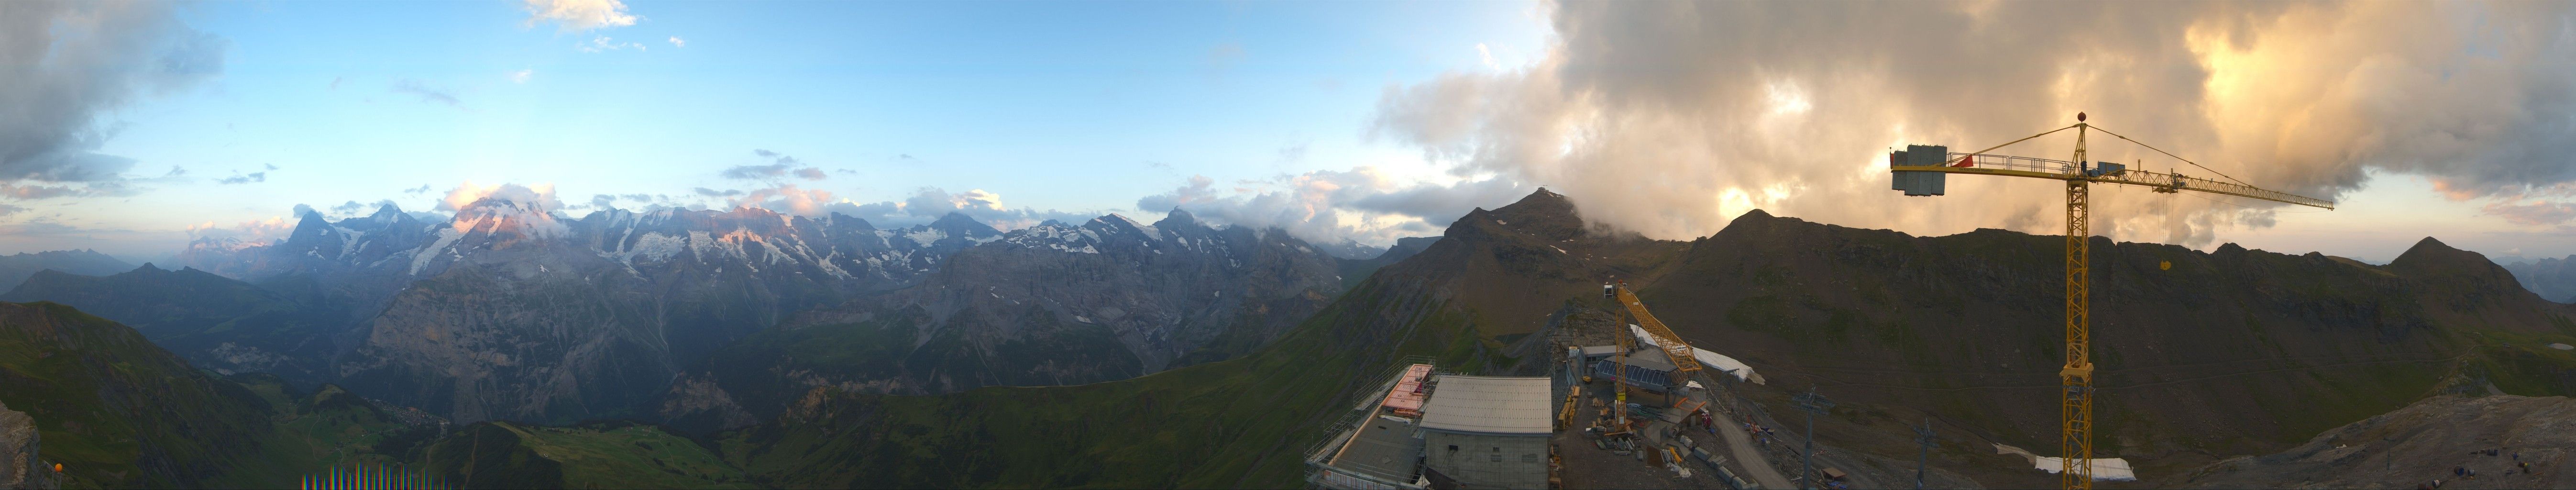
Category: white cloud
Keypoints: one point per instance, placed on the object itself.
(2536, 213)
(1670, 119)
(521, 76)
(1325, 206)
(926, 204)
(428, 93)
(251, 232)
(580, 15)
(676, 42)
(1487, 55)
(781, 166)
(539, 197)
(603, 43)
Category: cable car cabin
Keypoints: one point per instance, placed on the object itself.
(1647, 370)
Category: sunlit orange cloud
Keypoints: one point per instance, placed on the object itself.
(1672, 118)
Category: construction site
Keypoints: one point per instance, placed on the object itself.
(1628, 403)
(1617, 409)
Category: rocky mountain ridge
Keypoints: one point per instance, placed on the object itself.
(116, 410)
(508, 310)
(14, 268)
(1052, 304)
(2203, 354)
(2234, 351)
(214, 322)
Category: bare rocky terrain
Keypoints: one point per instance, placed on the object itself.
(2421, 443)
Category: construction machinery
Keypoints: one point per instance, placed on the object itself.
(1685, 363)
(1920, 170)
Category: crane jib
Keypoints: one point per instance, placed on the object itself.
(2160, 181)
(1684, 358)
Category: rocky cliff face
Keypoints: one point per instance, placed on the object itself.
(2420, 443)
(530, 318)
(1053, 304)
(21, 448)
(532, 335)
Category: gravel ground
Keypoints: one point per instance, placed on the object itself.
(2420, 443)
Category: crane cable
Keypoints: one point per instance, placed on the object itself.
(2117, 135)
(1982, 152)
(2176, 157)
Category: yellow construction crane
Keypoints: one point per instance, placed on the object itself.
(1679, 352)
(1920, 170)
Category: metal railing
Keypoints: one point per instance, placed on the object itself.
(1322, 474)
(1367, 404)
(2011, 162)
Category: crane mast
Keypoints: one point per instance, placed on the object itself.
(2075, 404)
(1920, 171)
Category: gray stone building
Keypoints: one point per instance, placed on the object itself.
(1487, 432)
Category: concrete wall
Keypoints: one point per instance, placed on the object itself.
(1487, 461)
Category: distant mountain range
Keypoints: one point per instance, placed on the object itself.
(213, 321)
(807, 352)
(1053, 304)
(15, 268)
(510, 312)
(507, 311)
(2554, 279)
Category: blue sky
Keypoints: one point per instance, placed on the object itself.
(1071, 106)
(1285, 112)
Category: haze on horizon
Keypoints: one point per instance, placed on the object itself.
(135, 128)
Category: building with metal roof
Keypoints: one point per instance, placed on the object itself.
(1489, 405)
(1384, 451)
(1648, 369)
(1488, 431)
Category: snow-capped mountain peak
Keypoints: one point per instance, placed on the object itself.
(499, 216)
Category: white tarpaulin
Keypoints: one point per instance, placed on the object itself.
(1706, 358)
(2113, 469)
